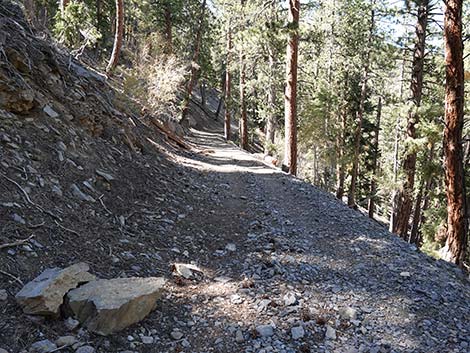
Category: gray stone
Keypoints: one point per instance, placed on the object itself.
(108, 177)
(265, 330)
(107, 306)
(147, 339)
(3, 350)
(49, 111)
(348, 313)
(85, 349)
(239, 336)
(44, 295)
(330, 333)
(71, 323)
(80, 194)
(176, 334)
(43, 346)
(187, 271)
(290, 299)
(65, 341)
(3, 295)
(297, 332)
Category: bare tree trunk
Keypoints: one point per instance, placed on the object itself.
(405, 198)
(228, 78)
(271, 119)
(360, 112)
(290, 101)
(415, 236)
(117, 37)
(202, 88)
(243, 123)
(221, 97)
(373, 184)
(456, 197)
(340, 173)
(394, 198)
(194, 65)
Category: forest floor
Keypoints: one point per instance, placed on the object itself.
(286, 267)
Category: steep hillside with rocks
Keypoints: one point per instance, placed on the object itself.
(230, 255)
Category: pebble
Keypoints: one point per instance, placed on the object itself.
(330, 333)
(289, 299)
(265, 330)
(239, 336)
(3, 350)
(297, 332)
(176, 334)
(66, 341)
(348, 313)
(147, 339)
(71, 323)
(3, 295)
(43, 346)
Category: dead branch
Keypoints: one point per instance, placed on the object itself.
(16, 243)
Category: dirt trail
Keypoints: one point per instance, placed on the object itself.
(279, 252)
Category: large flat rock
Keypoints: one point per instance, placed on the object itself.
(44, 295)
(107, 306)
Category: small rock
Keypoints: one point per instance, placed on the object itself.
(330, 333)
(405, 274)
(147, 339)
(18, 219)
(108, 177)
(85, 349)
(265, 330)
(187, 271)
(289, 299)
(71, 323)
(44, 295)
(49, 111)
(3, 350)
(176, 334)
(297, 332)
(65, 341)
(239, 336)
(3, 295)
(231, 247)
(348, 313)
(80, 194)
(43, 346)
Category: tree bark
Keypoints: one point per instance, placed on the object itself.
(228, 83)
(271, 118)
(373, 183)
(243, 122)
(453, 145)
(360, 112)
(194, 65)
(117, 37)
(340, 174)
(405, 196)
(290, 100)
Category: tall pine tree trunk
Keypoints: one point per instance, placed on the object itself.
(243, 122)
(117, 37)
(373, 184)
(271, 119)
(340, 173)
(228, 79)
(194, 65)
(405, 197)
(360, 112)
(290, 101)
(456, 197)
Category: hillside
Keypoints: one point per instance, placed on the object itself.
(281, 266)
